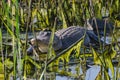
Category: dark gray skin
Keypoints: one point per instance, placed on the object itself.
(101, 24)
(72, 34)
(62, 39)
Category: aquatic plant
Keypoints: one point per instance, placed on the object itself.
(31, 16)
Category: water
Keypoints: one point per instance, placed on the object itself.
(91, 72)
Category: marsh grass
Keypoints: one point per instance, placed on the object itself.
(31, 16)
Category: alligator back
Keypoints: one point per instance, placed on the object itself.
(70, 35)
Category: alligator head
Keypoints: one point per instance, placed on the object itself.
(41, 42)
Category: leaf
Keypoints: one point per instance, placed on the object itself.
(117, 22)
(113, 53)
(73, 5)
(63, 18)
(22, 15)
(97, 59)
(66, 56)
(78, 48)
(107, 77)
(33, 62)
(13, 10)
(105, 59)
(117, 4)
(110, 65)
(63, 72)
(34, 19)
(8, 63)
(51, 41)
(1, 68)
(1, 41)
(9, 30)
(2, 77)
(34, 12)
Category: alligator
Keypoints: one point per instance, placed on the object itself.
(62, 38)
(66, 37)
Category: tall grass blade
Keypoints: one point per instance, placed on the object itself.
(2, 73)
(64, 20)
(62, 14)
(51, 40)
(49, 54)
(73, 5)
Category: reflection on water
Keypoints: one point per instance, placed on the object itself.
(91, 73)
(73, 71)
